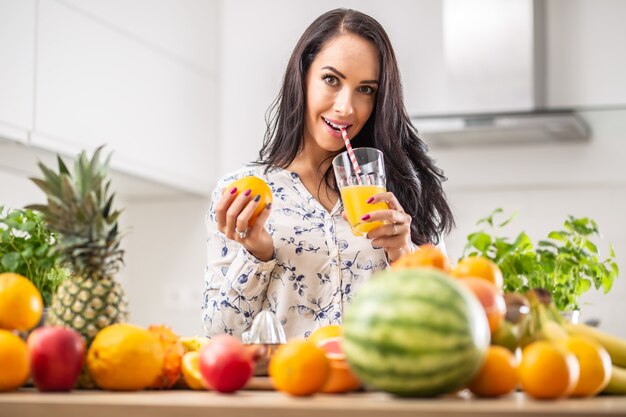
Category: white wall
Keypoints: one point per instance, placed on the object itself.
(166, 258)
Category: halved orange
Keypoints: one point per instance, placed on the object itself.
(325, 332)
(341, 378)
(191, 371)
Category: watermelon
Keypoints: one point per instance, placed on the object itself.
(415, 333)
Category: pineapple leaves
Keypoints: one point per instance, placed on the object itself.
(52, 180)
(62, 167)
(80, 208)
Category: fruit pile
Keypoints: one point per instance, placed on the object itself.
(125, 357)
(121, 357)
(421, 329)
(408, 332)
(299, 367)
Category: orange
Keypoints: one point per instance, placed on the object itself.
(548, 371)
(258, 187)
(595, 365)
(173, 350)
(124, 357)
(325, 332)
(14, 361)
(21, 304)
(479, 267)
(425, 256)
(341, 378)
(499, 374)
(299, 368)
(191, 371)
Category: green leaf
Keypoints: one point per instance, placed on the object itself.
(583, 287)
(489, 219)
(560, 236)
(480, 241)
(547, 244)
(582, 226)
(523, 241)
(607, 282)
(10, 261)
(509, 220)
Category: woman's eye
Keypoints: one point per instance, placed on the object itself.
(366, 89)
(330, 80)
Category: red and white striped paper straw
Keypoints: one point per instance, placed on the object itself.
(355, 164)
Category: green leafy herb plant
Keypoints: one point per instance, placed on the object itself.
(26, 248)
(567, 263)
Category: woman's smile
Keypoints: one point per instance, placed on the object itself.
(334, 127)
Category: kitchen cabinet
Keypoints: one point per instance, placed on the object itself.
(86, 73)
(98, 84)
(274, 404)
(17, 41)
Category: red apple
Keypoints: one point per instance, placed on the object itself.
(57, 355)
(225, 364)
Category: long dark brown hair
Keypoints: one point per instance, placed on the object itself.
(411, 174)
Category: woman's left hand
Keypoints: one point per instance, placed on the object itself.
(395, 235)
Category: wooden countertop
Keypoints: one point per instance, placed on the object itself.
(30, 403)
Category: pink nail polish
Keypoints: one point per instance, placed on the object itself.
(247, 193)
(233, 190)
(369, 200)
(366, 217)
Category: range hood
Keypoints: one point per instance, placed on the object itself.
(494, 64)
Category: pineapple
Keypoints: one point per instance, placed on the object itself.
(79, 208)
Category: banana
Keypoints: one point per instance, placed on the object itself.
(617, 383)
(553, 331)
(614, 345)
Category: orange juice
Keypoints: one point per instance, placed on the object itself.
(355, 204)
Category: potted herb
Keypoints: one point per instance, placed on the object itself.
(567, 263)
(26, 246)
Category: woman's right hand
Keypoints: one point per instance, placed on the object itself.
(233, 213)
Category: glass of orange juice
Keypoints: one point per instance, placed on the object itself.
(356, 188)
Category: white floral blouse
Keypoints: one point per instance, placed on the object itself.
(318, 263)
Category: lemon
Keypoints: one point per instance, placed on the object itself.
(125, 357)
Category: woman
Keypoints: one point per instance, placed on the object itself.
(300, 258)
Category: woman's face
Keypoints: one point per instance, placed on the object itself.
(341, 87)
